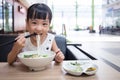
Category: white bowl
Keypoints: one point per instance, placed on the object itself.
(37, 63)
(92, 72)
(72, 69)
(77, 67)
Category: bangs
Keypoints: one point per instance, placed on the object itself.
(39, 11)
(38, 14)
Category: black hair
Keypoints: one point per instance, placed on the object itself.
(39, 11)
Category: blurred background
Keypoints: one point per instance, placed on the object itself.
(68, 15)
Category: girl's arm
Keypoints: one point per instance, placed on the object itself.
(17, 47)
(12, 56)
(59, 57)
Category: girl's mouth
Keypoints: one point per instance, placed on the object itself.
(38, 33)
(41, 33)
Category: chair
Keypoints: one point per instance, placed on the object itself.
(61, 43)
(4, 50)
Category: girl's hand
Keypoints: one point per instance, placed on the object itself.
(20, 43)
(59, 56)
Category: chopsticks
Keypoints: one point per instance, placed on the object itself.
(12, 41)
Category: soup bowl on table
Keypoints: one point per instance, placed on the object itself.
(36, 61)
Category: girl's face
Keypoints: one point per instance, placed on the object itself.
(38, 26)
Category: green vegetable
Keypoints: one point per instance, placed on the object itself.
(44, 55)
(35, 56)
(27, 56)
(31, 56)
(75, 63)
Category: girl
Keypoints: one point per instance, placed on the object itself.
(38, 21)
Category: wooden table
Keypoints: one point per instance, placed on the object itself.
(55, 72)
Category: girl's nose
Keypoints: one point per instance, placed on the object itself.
(38, 29)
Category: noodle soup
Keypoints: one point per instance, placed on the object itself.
(36, 61)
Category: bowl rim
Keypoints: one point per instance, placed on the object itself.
(22, 53)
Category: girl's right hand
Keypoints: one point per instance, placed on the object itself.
(20, 43)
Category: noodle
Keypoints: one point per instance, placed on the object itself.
(38, 43)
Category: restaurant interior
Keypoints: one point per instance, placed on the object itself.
(95, 45)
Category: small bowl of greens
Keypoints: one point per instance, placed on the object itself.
(73, 68)
(77, 67)
(36, 61)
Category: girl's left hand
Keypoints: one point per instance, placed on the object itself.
(59, 57)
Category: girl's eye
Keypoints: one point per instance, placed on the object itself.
(34, 23)
(45, 24)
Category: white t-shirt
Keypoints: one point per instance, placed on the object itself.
(45, 46)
